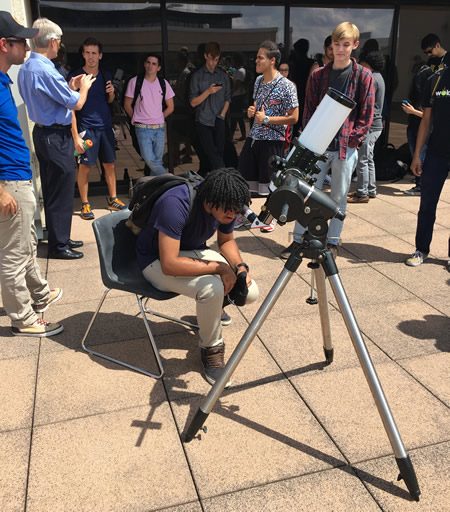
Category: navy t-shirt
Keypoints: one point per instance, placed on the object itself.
(95, 112)
(169, 215)
(14, 153)
(438, 142)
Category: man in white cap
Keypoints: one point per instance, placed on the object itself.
(24, 291)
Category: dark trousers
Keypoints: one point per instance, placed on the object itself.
(212, 140)
(54, 150)
(435, 172)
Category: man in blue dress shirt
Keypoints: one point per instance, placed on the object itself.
(50, 101)
(24, 291)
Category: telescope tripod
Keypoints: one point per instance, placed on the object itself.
(322, 263)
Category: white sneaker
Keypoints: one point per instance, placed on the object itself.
(54, 296)
(416, 259)
(241, 222)
(39, 329)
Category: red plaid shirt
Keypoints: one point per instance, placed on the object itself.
(358, 122)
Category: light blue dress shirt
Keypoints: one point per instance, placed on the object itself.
(48, 97)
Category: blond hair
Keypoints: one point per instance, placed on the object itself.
(345, 29)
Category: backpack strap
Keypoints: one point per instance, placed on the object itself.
(137, 88)
(162, 84)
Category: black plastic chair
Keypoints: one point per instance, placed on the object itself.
(116, 246)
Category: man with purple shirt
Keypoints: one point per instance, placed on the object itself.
(173, 255)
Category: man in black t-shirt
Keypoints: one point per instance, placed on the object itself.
(435, 124)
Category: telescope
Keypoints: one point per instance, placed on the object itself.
(293, 196)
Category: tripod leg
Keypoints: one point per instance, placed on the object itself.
(239, 352)
(403, 461)
(324, 314)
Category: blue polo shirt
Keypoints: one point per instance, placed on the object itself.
(48, 97)
(14, 154)
(95, 112)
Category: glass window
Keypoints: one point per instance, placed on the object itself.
(239, 29)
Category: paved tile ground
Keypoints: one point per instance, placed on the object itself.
(81, 434)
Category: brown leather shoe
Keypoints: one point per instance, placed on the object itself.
(358, 199)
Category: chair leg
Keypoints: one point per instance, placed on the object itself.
(117, 361)
(162, 315)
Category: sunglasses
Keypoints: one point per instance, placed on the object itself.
(22, 41)
(430, 51)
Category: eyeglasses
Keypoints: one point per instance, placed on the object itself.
(22, 41)
(430, 51)
(284, 70)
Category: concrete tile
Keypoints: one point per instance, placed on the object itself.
(184, 371)
(432, 372)
(432, 468)
(117, 461)
(187, 507)
(11, 346)
(429, 282)
(296, 343)
(75, 384)
(291, 300)
(405, 329)
(384, 249)
(443, 216)
(14, 452)
(333, 490)
(343, 404)
(118, 320)
(383, 217)
(356, 228)
(259, 435)
(17, 386)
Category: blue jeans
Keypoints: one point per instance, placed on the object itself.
(341, 175)
(151, 143)
(435, 172)
(365, 169)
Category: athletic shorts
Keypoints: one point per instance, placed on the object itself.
(103, 148)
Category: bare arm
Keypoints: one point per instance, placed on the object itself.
(173, 264)
(212, 89)
(110, 91)
(230, 251)
(409, 109)
(77, 140)
(225, 109)
(290, 118)
(422, 135)
(169, 108)
(127, 106)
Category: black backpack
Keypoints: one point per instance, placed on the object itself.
(387, 167)
(149, 189)
(137, 90)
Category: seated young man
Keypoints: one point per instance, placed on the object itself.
(173, 255)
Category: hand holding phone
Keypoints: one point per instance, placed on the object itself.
(218, 84)
(405, 102)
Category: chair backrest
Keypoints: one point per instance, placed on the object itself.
(116, 246)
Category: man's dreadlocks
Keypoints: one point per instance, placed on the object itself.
(224, 188)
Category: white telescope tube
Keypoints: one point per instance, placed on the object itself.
(326, 121)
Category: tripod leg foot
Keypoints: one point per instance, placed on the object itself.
(312, 301)
(408, 474)
(329, 354)
(195, 425)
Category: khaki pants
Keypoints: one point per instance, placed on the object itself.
(20, 278)
(207, 290)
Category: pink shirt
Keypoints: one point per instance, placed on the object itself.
(148, 108)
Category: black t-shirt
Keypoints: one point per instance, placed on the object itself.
(439, 101)
(339, 79)
(416, 93)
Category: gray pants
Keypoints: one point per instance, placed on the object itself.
(20, 278)
(207, 290)
(365, 168)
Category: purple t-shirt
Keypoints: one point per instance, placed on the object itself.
(170, 215)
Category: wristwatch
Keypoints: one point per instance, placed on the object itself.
(266, 120)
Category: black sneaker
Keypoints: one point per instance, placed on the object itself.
(213, 363)
(285, 253)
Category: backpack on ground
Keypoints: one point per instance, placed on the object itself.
(149, 189)
(387, 167)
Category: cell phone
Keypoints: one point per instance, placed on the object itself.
(219, 84)
(405, 102)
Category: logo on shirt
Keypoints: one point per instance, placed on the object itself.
(444, 92)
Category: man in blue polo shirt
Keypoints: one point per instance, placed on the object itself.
(24, 291)
(50, 101)
(94, 119)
